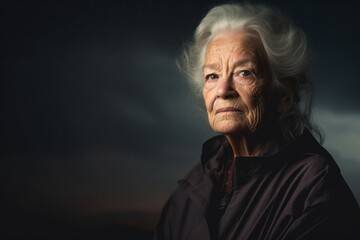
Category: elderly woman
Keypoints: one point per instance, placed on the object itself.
(265, 176)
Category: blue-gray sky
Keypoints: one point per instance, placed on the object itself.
(97, 121)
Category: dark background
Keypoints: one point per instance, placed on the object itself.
(97, 123)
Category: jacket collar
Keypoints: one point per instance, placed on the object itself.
(202, 183)
(204, 180)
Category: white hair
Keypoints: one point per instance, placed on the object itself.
(285, 47)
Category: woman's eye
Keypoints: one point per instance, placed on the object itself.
(245, 73)
(211, 77)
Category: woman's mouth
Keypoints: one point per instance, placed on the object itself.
(227, 110)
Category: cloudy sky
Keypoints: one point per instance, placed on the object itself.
(97, 123)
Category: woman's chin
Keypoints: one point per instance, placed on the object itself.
(230, 127)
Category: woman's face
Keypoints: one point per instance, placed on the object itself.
(234, 83)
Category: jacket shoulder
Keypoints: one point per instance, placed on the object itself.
(181, 219)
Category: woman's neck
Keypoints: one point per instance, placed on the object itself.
(245, 146)
(253, 144)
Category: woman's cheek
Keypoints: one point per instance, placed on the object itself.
(256, 113)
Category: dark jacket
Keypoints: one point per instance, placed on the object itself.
(296, 193)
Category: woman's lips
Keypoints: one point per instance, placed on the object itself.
(227, 110)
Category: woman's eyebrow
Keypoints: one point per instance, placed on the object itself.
(212, 66)
(243, 62)
(238, 63)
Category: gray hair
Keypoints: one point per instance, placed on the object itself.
(285, 47)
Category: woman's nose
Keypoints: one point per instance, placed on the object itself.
(225, 88)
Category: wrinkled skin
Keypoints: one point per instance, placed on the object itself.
(234, 88)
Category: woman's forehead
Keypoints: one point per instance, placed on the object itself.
(231, 44)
